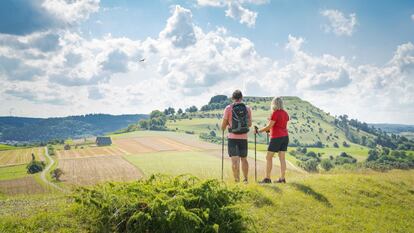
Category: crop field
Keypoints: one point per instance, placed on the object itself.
(25, 185)
(144, 141)
(88, 152)
(151, 144)
(20, 156)
(92, 170)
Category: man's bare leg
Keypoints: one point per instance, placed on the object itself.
(235, 165)
(245, 167)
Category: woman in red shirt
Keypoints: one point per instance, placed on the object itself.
(279, 139)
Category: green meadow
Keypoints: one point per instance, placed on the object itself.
(13, 172)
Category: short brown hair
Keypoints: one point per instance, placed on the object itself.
(237, 95)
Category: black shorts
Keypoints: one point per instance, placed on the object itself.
(278, 144)
(237, 147)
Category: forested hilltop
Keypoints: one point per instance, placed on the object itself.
(29, 130)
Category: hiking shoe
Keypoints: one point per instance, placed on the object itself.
(265, 181)
(245, 181)
(280, 180)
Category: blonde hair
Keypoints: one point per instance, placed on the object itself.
(277, 103)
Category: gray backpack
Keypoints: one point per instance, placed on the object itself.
(239, 119)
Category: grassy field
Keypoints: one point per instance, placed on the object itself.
(357, 202)
(176, 163)
(356, 151)
(13, 172)
(6, 147)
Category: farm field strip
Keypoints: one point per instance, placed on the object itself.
(136, 145)
(20, 156)
(92, 170)
(88, 152)
(186, 139)
(163, 144)
(131, 146)
(25, 185)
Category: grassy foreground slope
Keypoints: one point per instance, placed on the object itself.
(373, 202)
(358, 202)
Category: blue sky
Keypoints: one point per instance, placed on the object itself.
(61, 57)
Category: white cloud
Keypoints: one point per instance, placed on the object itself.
(213, 3)
(236, 9)
(71, 12)
(294, 44)
(412, 17)
(180, 28)
(404, 57)
(340, 24)
(245, 16)
(15, 69)
(39, 93)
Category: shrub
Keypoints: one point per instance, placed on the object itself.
(210, 138)
(389, 160)
(344, 158)
(372, 155)
(161, 204)
(51, 150)
(310, 165)
(213, 134)
(35, 166)
(335, 145)
(326, 164)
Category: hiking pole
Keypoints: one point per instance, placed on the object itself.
(222, 155)
(267, 137)
(255, 153)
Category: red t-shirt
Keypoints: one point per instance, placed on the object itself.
(279, 129)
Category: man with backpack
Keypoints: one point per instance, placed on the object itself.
(237, 118)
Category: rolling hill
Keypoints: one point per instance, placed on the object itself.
(309, 125)
(29, 130)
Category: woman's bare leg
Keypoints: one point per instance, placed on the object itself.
(282, 164)
(269, 163)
